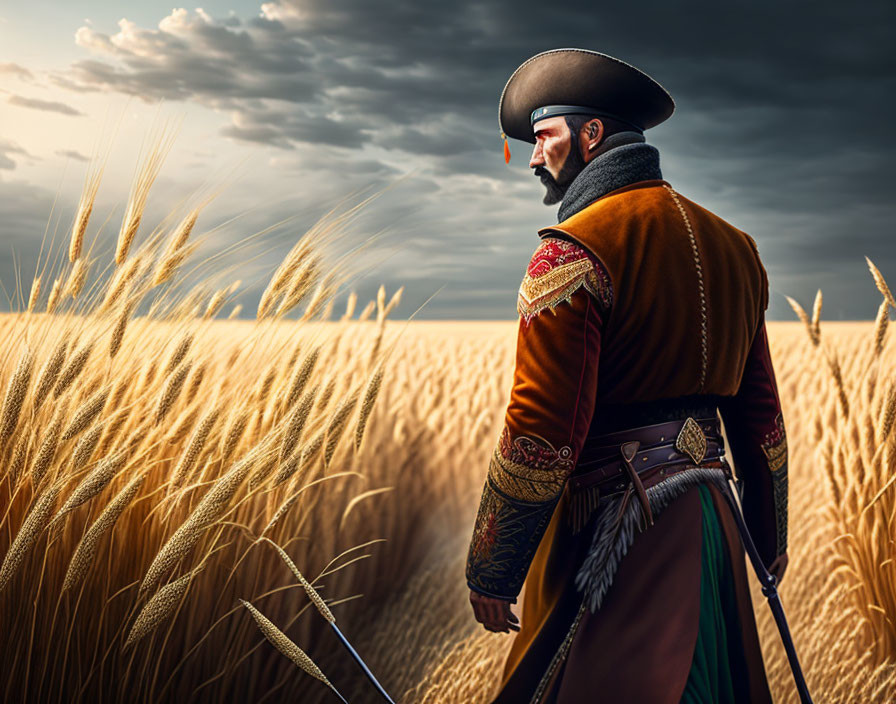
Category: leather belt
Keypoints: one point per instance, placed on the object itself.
(633, 460)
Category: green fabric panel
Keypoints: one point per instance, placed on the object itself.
(714, 678)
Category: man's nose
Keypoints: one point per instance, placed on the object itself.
(537, 158)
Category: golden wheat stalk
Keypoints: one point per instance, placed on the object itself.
(837, 375)
(881, 283)
(235, 312)
(337, 425)
(35, 294)
(87, 412)
(350, 304)
(32, 528)
(393, 302)
(47, 450)
(50, 372)
(368, 309)
(194, 448)
(880, 327)
(179, 353)
(19, 457)
(146, 176)
(215, 303)
(301, 376)
(176, 251)
(312, 593)
(85, 553)
(280, 641)
(171, 390)
(320, 293)
(380, 303)
(296, 423)
(120, 327)
(85, 447)
(803, 316)
(303, 280)
(55, 295)
(74, 367)
(85, 208)
(372, 391)
(212, 506)
(16, 391)
(120, 281)
(234, 433)
(159, 608)
(77, 277)
(93, 483)
(887, 414)
(284, 275)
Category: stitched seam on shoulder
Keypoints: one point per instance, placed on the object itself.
(575, 410)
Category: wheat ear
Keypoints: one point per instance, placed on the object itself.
(881, 283)
(279, 640)
(159, 608)
(28, 534)
(210, 508)
(373, 389)
(197, 442)
(86, 550)
(93, 483)
(86, 412)
(312, 593)
(50, 372)
(15, 394)
(74, 367)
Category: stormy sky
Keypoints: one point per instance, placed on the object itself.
(286, 108)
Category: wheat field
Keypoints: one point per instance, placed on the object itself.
(188, 500)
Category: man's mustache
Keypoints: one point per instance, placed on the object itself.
(542, 173)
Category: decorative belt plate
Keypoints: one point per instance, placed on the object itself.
(691, 440)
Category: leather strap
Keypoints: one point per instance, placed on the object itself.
(649, 434)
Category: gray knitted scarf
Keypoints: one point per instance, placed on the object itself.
(622, 158)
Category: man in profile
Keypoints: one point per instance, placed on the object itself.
(641, 321)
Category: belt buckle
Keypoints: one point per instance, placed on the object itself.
(691, 440)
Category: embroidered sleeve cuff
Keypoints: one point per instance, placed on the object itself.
(504, 541)
(775, 448)
(525, 479)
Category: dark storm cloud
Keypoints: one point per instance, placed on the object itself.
(782, 122)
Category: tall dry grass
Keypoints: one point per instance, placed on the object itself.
(146, 444)
(141, 464)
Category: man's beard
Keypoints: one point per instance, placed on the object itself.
(556, 187)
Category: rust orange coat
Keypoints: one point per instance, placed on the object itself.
(641, 297)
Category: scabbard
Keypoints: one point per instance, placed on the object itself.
(770, 591)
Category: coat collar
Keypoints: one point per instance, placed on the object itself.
(614, 169)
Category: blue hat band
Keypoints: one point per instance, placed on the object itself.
(555, 110)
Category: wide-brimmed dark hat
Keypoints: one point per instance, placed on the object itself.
(568, 81)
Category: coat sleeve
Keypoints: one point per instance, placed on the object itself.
(754, 426)
(563, 301)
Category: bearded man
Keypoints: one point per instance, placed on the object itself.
(641, 329)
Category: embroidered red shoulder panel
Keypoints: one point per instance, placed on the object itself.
(556, 270)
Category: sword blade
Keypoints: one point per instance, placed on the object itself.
(361, 663)
(770, 591)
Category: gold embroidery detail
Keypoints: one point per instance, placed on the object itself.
(691, 440)
(529, 470)
(559, 276)
(703, 327)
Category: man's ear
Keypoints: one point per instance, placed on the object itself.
(592, 135)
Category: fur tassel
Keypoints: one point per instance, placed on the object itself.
(609, 546)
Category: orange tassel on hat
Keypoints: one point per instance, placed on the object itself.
(506, 149)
